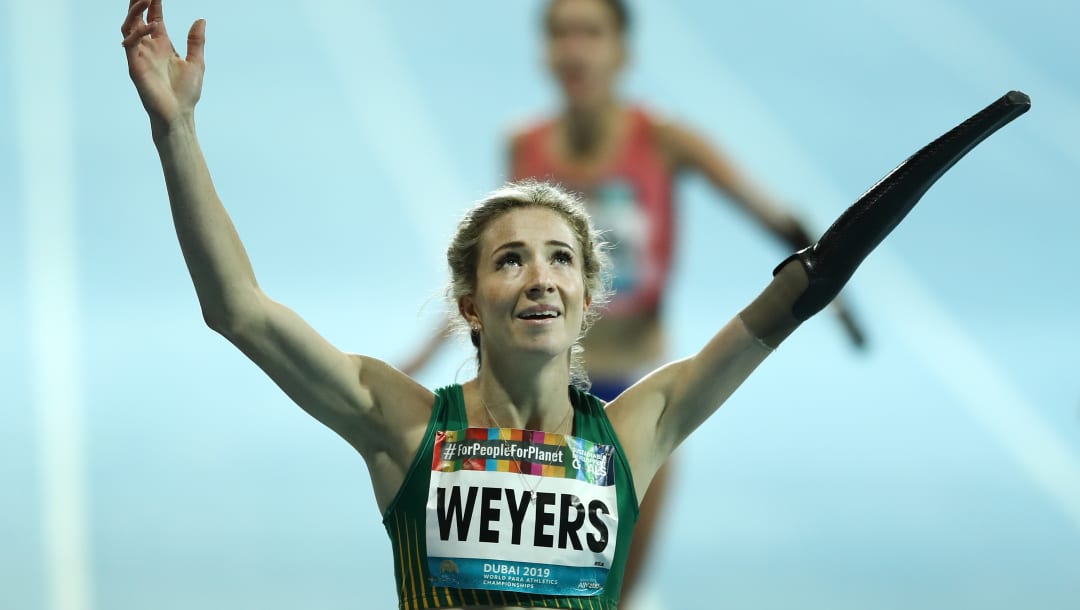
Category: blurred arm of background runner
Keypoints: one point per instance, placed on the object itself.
(688, 150)
(420, 359)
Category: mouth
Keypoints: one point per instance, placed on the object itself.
(539, 314)
(573, 75)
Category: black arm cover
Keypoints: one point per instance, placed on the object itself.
(830, 262)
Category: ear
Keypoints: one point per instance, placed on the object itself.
(467, 309)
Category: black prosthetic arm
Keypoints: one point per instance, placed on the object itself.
(798, 292)
(830, 262)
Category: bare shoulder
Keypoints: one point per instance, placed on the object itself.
(400, 415)
(517, 133)
(671, 139)
(680, 143)
(400, 405)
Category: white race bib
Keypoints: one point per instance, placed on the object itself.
(521, 510)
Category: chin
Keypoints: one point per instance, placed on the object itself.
(545, 346)
(579, 97)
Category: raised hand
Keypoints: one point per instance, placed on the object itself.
(168, 85)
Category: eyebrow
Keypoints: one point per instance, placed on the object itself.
(521, 244)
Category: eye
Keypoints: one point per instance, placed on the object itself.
(563, 257)
(510, 258)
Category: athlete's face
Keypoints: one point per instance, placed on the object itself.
(530, 289)
(584, 50)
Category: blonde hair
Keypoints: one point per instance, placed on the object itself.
(463, 253)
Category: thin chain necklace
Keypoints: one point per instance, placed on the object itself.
(491, 416)
(524, 482)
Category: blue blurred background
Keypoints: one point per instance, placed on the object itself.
(145, 463)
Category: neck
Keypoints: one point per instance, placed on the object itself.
(517, 396)
(587, 127)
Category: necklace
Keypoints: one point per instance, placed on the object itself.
(524, 482)
(491, 416)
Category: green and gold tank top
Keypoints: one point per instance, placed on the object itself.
(508, 517)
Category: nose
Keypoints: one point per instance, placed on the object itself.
(540, 283)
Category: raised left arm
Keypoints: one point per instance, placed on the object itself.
(655, 415)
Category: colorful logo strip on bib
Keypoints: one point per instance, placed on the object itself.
(521, 510)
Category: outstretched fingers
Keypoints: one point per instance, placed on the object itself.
(196, 42)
